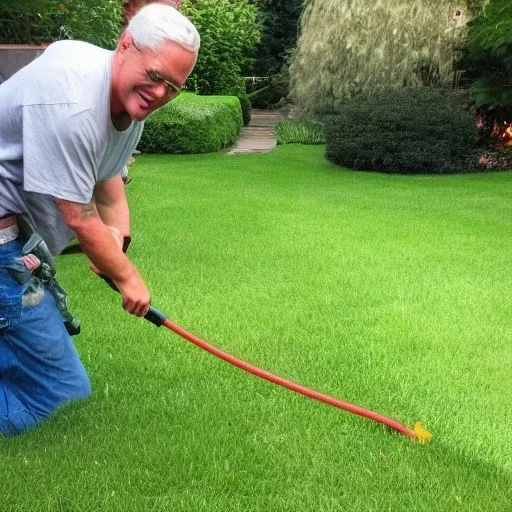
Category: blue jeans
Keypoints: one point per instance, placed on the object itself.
(39, 367)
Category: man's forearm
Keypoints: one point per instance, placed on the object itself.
(103, 250)
(112, 206)
(97, 240)
(116, 216)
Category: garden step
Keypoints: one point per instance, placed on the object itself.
(258, 136)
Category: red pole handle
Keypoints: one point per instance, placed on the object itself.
(280, 381)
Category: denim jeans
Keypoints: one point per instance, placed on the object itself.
(39, 367)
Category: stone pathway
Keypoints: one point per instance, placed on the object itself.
(258, 136)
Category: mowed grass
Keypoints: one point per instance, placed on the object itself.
(390, 292)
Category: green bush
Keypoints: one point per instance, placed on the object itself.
(193, 124)
(407, 131)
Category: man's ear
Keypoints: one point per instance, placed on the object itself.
(125, 42)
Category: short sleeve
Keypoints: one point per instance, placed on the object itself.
(60, 149)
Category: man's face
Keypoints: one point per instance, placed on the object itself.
(144, 80)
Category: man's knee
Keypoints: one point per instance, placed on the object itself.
(82, 388)
(59, 392)
(16, 417)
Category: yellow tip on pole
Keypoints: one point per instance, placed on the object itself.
(423, 435)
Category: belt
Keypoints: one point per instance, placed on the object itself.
(8, 229)
(8, 221)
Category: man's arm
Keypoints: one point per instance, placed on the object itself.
(110, 199)
(102, 249)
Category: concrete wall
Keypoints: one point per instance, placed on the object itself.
(14, 57)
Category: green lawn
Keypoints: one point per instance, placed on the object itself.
(390, 292)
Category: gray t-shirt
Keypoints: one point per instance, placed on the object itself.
(57, 139)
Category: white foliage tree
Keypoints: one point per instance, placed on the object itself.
(351, 46)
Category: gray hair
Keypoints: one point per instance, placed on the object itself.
(156, 23)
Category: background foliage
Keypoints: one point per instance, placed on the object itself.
(229, 33)
(228, 28)
(273, 93)
(37, 21)
(489, 54)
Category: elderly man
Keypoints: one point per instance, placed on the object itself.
(69, 121)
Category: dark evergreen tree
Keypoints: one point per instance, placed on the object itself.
(279, 21)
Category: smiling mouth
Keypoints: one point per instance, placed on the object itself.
(146, 101)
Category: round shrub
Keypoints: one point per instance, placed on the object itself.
(407, 131)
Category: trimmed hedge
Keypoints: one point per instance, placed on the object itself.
(193, 124)
(245, 103)
(407, 131)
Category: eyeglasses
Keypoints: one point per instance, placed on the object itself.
(154, 77)
(172, 89)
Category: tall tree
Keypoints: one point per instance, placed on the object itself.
(279, 21)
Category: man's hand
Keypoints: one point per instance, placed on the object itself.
(136, 298)
(104, 249)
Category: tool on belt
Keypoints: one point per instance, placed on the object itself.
(36, 260)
